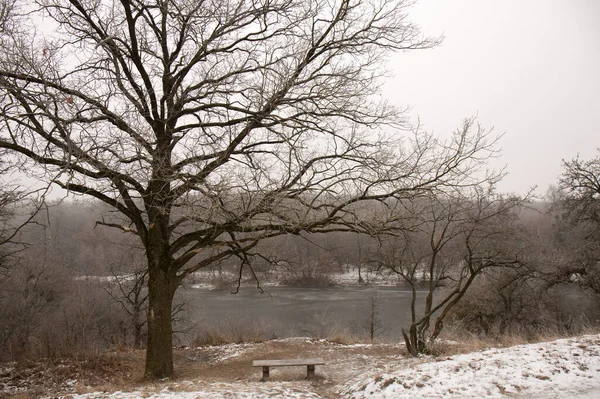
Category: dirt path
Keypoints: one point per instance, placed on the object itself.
(233, 363)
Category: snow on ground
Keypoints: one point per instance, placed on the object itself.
(105, 279)
(350, 277)
(215, 391)
(565, 368)
(220, 353)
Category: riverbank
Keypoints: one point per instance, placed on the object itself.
(560, 368)
(278, 277)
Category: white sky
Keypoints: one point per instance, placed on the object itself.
(528, 68)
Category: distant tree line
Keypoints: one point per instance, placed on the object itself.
(492, 265)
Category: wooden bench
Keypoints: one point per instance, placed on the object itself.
(309, 363)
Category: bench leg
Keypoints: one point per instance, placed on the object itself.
(265, 373)
(310, 371)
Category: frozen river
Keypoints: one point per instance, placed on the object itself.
(302, 311)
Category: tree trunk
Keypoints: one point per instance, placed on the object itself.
(138, 326)
(162, 280)
(159, 347)
(361, 281)
(415, 344)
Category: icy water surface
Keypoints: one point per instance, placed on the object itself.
(303, 311)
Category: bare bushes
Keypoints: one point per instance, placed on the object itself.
(81, 323)
(365, 327)
(506, 305)
(310, 273)
(46, 313)
(322, 326)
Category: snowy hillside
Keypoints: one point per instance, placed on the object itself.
(562, 368)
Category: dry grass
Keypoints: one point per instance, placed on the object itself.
(243, 329)
(234, 330)
(457, 342)
(206, 366)
(110, 370)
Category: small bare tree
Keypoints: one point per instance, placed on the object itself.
(129, 291)
(570, 253)
(580, 186)
(576, 207)
(18, 208)
(374, 319)
(8, 198)
(451, 239)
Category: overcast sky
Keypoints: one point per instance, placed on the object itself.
(529, 68)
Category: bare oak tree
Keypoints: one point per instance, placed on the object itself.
(212, 125)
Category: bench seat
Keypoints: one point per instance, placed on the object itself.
(310, 364)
